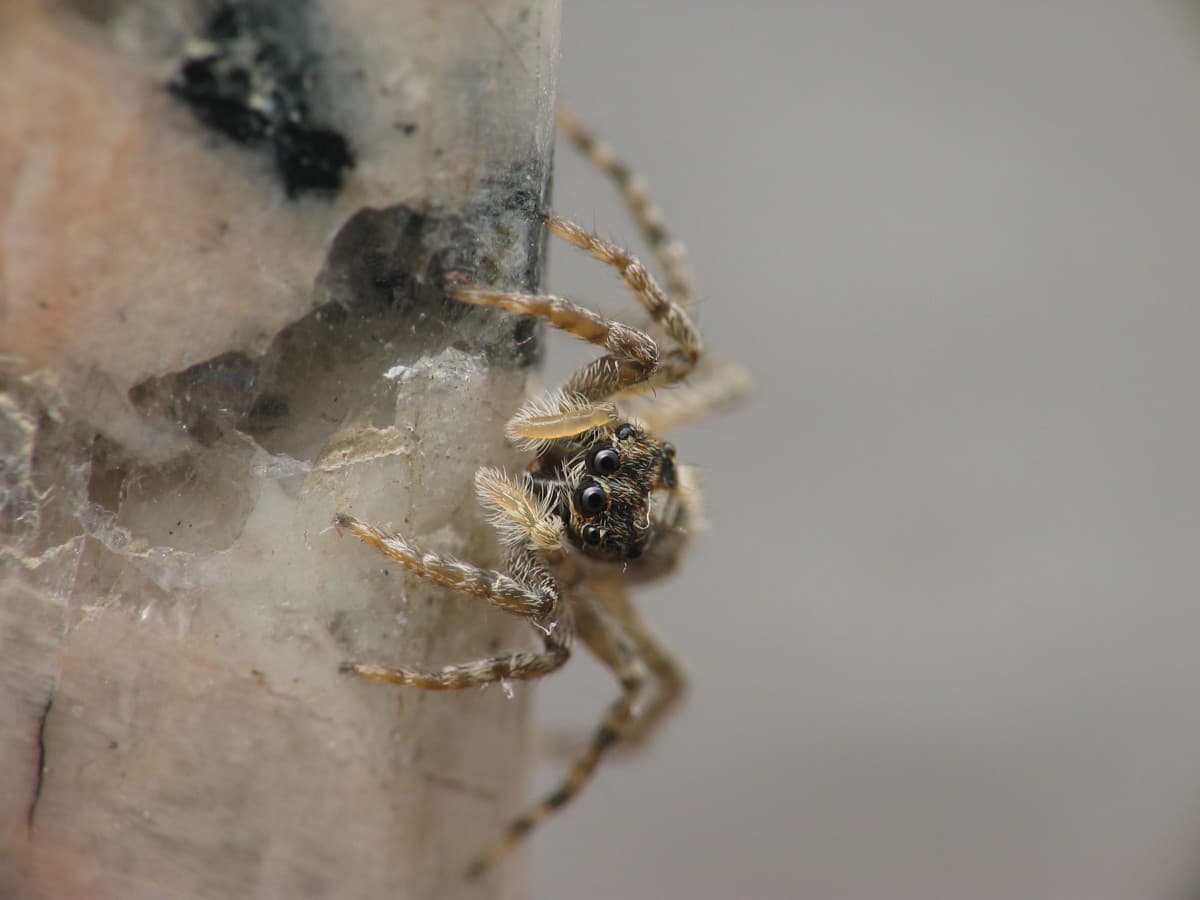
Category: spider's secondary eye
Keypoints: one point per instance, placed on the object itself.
(625, 432)
(605, 461)
(591, 499)
(592, 534)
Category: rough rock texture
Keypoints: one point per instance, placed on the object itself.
(223, 233)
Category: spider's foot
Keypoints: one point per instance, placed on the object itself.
(374, 672)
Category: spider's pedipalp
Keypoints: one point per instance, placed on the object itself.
(515, 514)
(555, 416)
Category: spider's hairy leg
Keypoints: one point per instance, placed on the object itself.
(605, 638)
(670, 680)
(713, 386)
(632, 358)
(668, 313)
(621, 341)
(536, 600)
(532, 592)
(669, 252)
(519, 665)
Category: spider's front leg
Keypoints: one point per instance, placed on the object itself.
(632, 355)
(528, 527)
(501, 590)
(666, 311)
(521, 665)
(632, 362)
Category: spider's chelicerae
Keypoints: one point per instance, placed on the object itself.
(603, 505)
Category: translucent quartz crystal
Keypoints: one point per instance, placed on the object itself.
(224, 231)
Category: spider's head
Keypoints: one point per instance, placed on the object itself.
(609, 485)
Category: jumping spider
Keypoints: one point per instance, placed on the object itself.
(603, 504)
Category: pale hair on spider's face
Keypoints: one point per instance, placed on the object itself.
(609, 486)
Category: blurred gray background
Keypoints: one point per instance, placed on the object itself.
(944, 627)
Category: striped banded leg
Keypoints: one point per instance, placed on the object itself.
(669, 252)
(669, 678)
(518, 666)
(632, 357)
(527, 527)
(667, 313)
(538, 601)
(634, 351)
(604, 638)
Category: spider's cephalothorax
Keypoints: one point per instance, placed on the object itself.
(600, 483)
(605, 486)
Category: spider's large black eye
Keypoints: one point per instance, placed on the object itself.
(605, 461)
(591, 499)
(592, 534)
